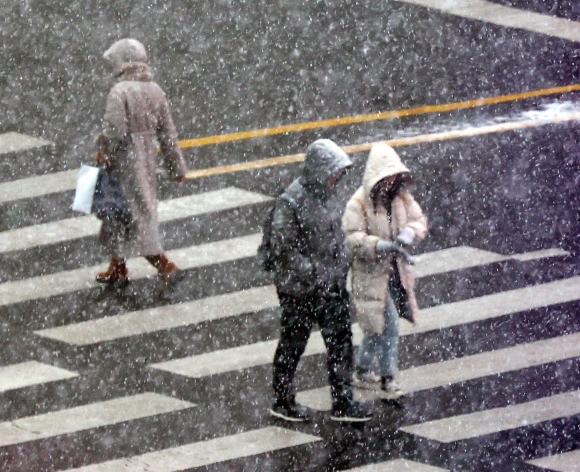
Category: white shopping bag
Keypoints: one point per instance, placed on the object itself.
(85, 189)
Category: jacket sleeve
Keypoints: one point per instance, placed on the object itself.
(354, 222)
(169, 143)
(285, 242)
(416, 220)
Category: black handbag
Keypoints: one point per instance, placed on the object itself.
(109, 202)
(399, 294)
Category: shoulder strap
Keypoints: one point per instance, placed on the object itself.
(364, 211)
(362, 206)
(284, 196)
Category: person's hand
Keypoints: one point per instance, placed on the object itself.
(179, 180)
(406, 236)
(385, 248)
(102, 160)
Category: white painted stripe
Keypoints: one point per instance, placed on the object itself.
(211, 451)
(505, 16)
(495, 305)
(457, 428)
(12, 142)
(465, 257)
(74, 228)
(78, 279)
(38, 185)
(166, 317)
(441, 374)
(26, 374)
(455, 258)
(398, 465)
(565, 462)
(229, 360)
(439, 317)
(542, 254)
(89, 416)
(238, 358)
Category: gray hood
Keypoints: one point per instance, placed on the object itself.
(125, 53)
(324, 158)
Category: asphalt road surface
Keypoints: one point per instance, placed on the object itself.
(481, 100)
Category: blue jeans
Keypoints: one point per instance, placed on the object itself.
(384, 347)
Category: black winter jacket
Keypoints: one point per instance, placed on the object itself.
(307, 238)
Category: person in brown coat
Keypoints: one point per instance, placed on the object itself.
(137, 123)
(381, 219)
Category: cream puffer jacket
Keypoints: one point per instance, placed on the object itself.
(364, 228)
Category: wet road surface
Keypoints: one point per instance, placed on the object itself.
(95, 379)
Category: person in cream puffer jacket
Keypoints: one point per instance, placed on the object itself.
(381, 220)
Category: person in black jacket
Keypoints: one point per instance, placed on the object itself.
(311, 267)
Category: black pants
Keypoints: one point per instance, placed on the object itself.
(332, 314)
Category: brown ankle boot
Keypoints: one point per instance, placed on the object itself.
(116, 274)
(168, 272)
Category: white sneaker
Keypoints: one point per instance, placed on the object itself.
(391, 391)
(367, 380)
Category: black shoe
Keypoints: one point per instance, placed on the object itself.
(353, 413)
(290, 412)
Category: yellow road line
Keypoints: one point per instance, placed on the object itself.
(349, 120)
(419, 139)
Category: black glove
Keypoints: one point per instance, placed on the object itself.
(385, 248)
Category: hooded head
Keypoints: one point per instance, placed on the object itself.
(324, 159)
(383, 162)
(125, 53)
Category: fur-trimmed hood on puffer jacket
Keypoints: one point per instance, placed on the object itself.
(364, 226)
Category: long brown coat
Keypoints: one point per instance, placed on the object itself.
(137, 121)
(364, 227)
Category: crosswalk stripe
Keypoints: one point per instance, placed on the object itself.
(74, 228)
(495, 420)
(166, 317)
(495, 305)
(453, 371)
(504, 16)
(147, 321)
(26, 374)
(465, 257)
(229, 360)
(541, 254)
(13, 142)
(38, 185)
(241, 357)
(90, 416)
(84, 278)
(211, 451)
(439, 317)
(454, 258)
(397, 465)
(565, 462)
